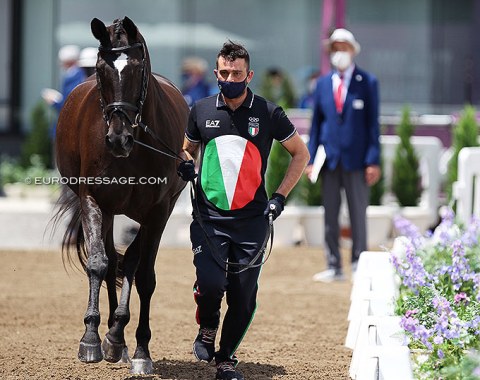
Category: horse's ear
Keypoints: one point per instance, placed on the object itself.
(99, 31)
(130, 28)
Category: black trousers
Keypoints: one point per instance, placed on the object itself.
(237, 242)
(357, 192)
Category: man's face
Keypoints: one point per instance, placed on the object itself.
(233, 71)
(342, 46)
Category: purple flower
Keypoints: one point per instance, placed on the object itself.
(440, 354)
(408, 229)
(410, 313)
(461, 297)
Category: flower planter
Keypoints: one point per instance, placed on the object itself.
(419, 216)
(379, 225)
(313, 224)
(287, 228)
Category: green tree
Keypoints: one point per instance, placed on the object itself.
(377, 190)
(405, 167)
(38, 140)
(465, 134)
(278, 162)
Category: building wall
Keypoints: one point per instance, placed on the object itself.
(424, 52)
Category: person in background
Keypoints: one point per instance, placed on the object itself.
(72, 76)
(277, 87)
(194, 84)
(88, 60)
(345, 122)
(233, 131)
(307, 99)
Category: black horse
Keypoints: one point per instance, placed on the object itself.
(101, 145)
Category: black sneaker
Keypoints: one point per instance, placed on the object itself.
(226, 371)
(204, 345)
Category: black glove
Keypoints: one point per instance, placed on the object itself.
(275, 206)
(186, 170)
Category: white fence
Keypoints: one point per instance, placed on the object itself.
(466, 191)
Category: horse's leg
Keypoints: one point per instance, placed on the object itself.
(116, 348)
(145, 282)
(114, 342)
(97, 265)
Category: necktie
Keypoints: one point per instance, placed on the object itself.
(338, 96)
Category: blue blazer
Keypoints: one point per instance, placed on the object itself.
(352, 137)
(72, 79)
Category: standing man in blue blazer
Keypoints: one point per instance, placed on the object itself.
(345, 122)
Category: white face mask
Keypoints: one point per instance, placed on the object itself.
(341, 60)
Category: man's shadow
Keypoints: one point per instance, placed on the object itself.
(189, 370)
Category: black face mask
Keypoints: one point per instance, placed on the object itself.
(232, 90)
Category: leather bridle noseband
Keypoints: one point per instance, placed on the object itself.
(122, 106)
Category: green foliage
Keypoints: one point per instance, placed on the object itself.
(277, 87)
(308, 193)
(377, 190)
(465, 134)
(467, 369)
(278, 162)
(12, 172)
(406, 183)
(38, 140)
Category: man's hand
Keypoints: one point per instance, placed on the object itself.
(372, 174)
(186, 170)
(275, 206)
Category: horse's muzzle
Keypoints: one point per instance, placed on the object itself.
(120, 145)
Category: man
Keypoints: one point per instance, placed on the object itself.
(345, 122)
(72, 76)
(194, 85)
(234, 131)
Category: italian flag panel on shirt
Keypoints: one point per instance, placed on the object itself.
(231, 171)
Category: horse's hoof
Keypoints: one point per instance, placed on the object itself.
(125, 358)
(112, 352)
(90, 353)
(141, 367)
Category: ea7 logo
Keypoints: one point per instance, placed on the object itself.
(212, 124)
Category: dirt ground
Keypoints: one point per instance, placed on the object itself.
(298, 331)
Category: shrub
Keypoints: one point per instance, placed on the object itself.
(377, 190)
(465, 134)
(405, 167)
(278, 162)
(308, 193)
(38, 141)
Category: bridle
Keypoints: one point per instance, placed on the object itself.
(122, 106)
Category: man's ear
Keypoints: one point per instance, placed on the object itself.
(249, 76)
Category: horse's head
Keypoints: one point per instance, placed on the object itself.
(122, 77)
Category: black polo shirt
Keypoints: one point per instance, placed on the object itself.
(234, 153)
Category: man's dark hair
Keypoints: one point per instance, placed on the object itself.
(232, 51)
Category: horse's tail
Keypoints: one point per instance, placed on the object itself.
(73, 239)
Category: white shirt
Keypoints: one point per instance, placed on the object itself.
(347, 77)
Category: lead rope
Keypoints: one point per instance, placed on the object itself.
(196, 211)
(223, 263)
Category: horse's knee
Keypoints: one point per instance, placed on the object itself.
(97, 265)
(122, 315)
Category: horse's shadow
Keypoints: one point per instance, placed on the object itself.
(188, 370)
